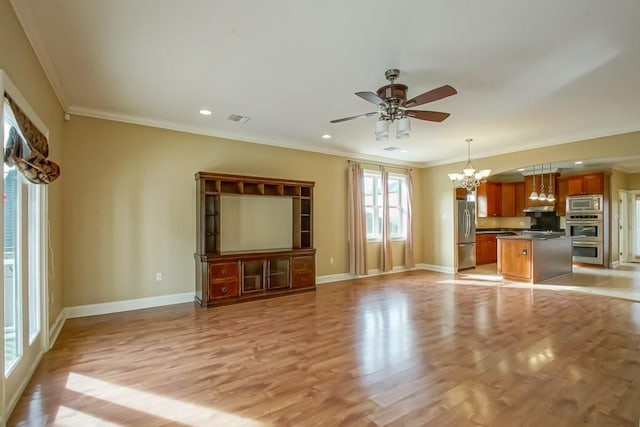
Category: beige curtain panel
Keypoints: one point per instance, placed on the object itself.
(408, 243)
(385, 247)
(30, 156)
(357, 221)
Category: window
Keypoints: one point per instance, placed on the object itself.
(397, 205)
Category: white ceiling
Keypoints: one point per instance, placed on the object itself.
(528, 73)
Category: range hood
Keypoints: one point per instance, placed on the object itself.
(549, 208)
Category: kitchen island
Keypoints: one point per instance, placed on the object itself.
(534, 257)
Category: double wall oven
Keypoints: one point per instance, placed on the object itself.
(585, 223)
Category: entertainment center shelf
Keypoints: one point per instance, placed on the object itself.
(224, 277)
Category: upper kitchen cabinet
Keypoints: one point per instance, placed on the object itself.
(588, 183)
(561, 196)
(513, 198)
(489, 199)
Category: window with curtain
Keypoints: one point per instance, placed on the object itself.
(397, 205)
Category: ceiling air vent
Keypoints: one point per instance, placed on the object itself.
(238, 118)
(391, 149)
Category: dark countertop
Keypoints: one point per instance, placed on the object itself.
(513, 230)
(537, 236)
(500, 230)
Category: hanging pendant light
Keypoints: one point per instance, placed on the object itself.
(541, 196)
(534, 193)
(550, 196)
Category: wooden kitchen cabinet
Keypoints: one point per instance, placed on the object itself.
(521, 198)
(514, 259)
(489, 199)
(589, 183)
(508, 199)
(513, 199)
(486, 248)
(561, 196)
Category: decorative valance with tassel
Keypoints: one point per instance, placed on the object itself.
(30, 156)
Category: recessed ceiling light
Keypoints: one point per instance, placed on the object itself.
(326, 136)
(205, 112)
(521, 170)
(404, 151)
(579, 162)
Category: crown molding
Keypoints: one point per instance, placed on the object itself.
(23, 13)
(577, 137)
(162, 124)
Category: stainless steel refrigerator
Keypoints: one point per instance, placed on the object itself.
(466, 232)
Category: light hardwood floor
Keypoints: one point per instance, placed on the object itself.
(408, 349)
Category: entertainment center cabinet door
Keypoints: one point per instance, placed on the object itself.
(223, 280)
(303, 269)
(278, 273)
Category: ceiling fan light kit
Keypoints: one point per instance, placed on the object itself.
(382, 130)
(393, 105)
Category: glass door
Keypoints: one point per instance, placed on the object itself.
(279, 273)
(252, 276)
(24, 257)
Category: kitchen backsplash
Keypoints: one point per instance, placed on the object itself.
(505, 222)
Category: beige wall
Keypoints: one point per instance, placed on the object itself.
(19, 62)
(438, 239)
(633, 181)
(130, 205)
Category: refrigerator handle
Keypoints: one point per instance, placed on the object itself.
(467, 223)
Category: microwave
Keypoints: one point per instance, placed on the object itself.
(584, 203)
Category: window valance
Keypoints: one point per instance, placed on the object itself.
(28, 149)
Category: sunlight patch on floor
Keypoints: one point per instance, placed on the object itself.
(159, 406)
(67, 417)
(620, 282)
(477, 282)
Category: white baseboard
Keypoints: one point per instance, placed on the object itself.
(438, 268)
(55, 329)
(127, 305)
(334, 278)
(377, 272)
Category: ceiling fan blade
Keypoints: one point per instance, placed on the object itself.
(432, 116)
(430, 96)
(371, 97)
(353, 117)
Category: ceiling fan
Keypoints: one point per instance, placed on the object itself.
(393, 104)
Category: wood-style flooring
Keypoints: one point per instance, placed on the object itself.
(407, 349)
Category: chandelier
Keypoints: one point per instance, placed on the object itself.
(469, 178)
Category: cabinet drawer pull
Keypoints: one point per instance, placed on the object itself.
(223, 272)
(223, 289)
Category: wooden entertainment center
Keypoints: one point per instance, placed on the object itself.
(230, 277)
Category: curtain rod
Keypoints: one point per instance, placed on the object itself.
(379, 165)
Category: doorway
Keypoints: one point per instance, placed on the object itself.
(629, 226)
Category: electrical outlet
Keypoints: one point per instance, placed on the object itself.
(331, 260)
(158, 277)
